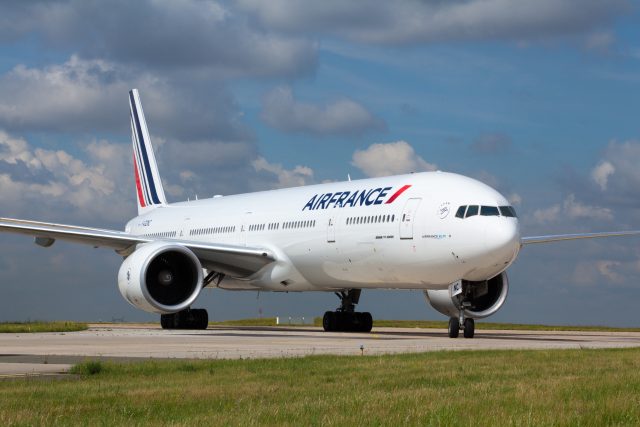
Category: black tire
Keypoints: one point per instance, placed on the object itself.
(454, 327)
(366, 322)
(202, 318)
(344, 321)
(166, 321)
(469, 328)
(328, 321)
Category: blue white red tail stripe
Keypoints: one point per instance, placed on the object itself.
(148, 185)
(139, 165)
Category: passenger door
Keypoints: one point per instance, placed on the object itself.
(331, 230)
(408, 218)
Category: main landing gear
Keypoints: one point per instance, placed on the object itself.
(468, 327)
(345, 318)
(191, 318)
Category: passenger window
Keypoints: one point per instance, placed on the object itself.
(460, 212)
(489, 211)
(472, 211)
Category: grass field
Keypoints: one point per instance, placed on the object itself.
(22, 327)
(561, 387)
(437, 324)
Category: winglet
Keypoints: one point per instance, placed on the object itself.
(149, 189)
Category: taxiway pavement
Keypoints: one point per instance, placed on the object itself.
(54, 353)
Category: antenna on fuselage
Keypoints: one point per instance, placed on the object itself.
(349, 177)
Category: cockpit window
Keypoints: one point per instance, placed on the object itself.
(489, 211)
(508, 211)
(472, 211)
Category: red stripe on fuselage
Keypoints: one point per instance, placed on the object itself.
(138, 185)
(398, 193)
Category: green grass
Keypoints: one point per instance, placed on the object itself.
(559, 387)
(22, 327)
(437, 324)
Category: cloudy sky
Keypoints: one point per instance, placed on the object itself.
(539, 99)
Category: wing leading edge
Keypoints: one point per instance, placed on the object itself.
(561, 237)
(237, 261)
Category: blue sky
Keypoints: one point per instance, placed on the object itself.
(538, 99)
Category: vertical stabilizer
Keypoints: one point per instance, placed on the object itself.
(150, 193)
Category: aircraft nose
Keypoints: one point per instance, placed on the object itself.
(502, 239)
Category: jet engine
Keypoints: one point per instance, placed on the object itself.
(479, 299)
(161, 277)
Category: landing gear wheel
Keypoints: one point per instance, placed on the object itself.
(185, 319)
(454, 327)
(469, 328)
(345, 318)
(329, 321)
(201, 318)
(366, 322)
(166, 321)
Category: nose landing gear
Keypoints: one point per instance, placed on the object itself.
(345, 318)
(468, 326)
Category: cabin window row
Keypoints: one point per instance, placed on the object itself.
(375, 219)
(299, 224)
(212, 230)
(285, 225)
(473, 210)
(162, 234)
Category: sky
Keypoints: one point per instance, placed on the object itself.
(540, 100)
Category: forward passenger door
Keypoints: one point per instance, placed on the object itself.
(408, 218)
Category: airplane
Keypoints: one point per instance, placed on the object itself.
(449, 235)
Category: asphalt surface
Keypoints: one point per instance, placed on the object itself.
(38, 354)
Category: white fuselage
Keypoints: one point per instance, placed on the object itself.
(394, 232)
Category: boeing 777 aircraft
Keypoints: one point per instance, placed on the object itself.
(449, 235)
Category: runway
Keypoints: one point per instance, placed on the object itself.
(55, 353)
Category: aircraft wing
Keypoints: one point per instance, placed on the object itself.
(239, 261)
(561, 237)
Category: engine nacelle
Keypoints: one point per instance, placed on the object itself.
(481, 299)
(160, 277)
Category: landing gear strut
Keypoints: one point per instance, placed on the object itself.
(468, 326)
(345, 318)
(191, 318)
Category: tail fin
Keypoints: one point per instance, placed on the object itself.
(148, 183)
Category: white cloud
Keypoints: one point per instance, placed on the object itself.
(618, 171)
(544, 215)
(576, 210)
(74, 95)
(515, 199)
(82, 95)
(603, 272)
(390, 159)
(572, 209)
(205, 36)
(600, 174)
(36, 182)
(342, 117)
(414, 21)
(298, 176)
